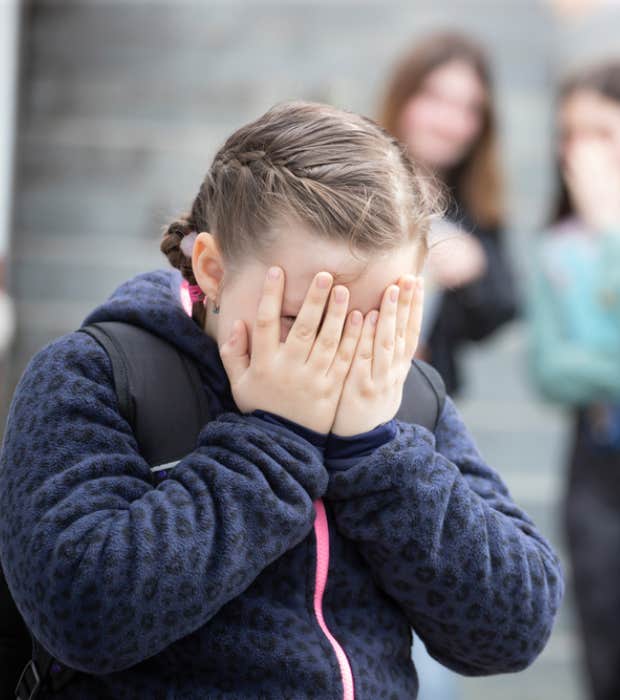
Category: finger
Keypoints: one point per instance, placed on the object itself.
(407, 285)
(303, 332)
(266, 330)
(415, 319)
(362, 361)
(328, 339)
(234, 352)
(385, 336)
(348, 344)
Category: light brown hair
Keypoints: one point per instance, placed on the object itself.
(476, 182)
(336, 172)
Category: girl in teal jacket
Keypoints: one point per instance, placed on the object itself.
(575, 352)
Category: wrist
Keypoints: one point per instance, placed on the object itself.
(343, 451)
(312, 436)
(356, 428)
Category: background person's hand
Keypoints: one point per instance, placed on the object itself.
(455, 258)
(592, 175)
(302, 378)
(373, 389)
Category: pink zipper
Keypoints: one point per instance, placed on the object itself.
(321, 532)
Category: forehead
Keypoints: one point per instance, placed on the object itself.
(297, 250)
(302, 255)
(457, 78)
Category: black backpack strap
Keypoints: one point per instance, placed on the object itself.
(159, 390)
(35, 674)
(160, 394)
(15, 641)
(42, 671)
(424, 395)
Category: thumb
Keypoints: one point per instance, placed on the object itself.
(234, 352)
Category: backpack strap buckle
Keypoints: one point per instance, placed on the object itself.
(29, 682)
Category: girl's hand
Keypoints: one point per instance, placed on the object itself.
(592, 175)
(302, 378)
(373, 390)
(456, 260)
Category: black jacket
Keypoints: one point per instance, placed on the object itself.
(472, 312)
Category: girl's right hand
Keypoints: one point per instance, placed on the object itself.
(592, 175)
(302, 378)
(455, 257)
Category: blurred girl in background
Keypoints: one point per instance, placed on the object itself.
(575, 352)
(439, 104)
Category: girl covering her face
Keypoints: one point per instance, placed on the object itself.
(574, 310)
(290, 554)
(439, 103)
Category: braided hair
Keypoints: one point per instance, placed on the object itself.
(336, 172)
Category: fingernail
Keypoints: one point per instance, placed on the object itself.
(232, 338)
(374, 315)
(394, 294)
(322, 281)
(356, 318)
(340, 294)
(274, 273)
(408, 283)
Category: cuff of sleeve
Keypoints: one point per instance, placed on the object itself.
(312, 436)
(344, 452)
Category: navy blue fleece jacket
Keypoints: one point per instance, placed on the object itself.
(202, 585)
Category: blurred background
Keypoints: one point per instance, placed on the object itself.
(110, 112)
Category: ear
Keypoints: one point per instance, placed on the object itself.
(207, 264)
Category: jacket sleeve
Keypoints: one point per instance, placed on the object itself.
(108, 569)
(565, 370)
(444, 539)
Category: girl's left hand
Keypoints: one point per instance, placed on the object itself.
(373, 390)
